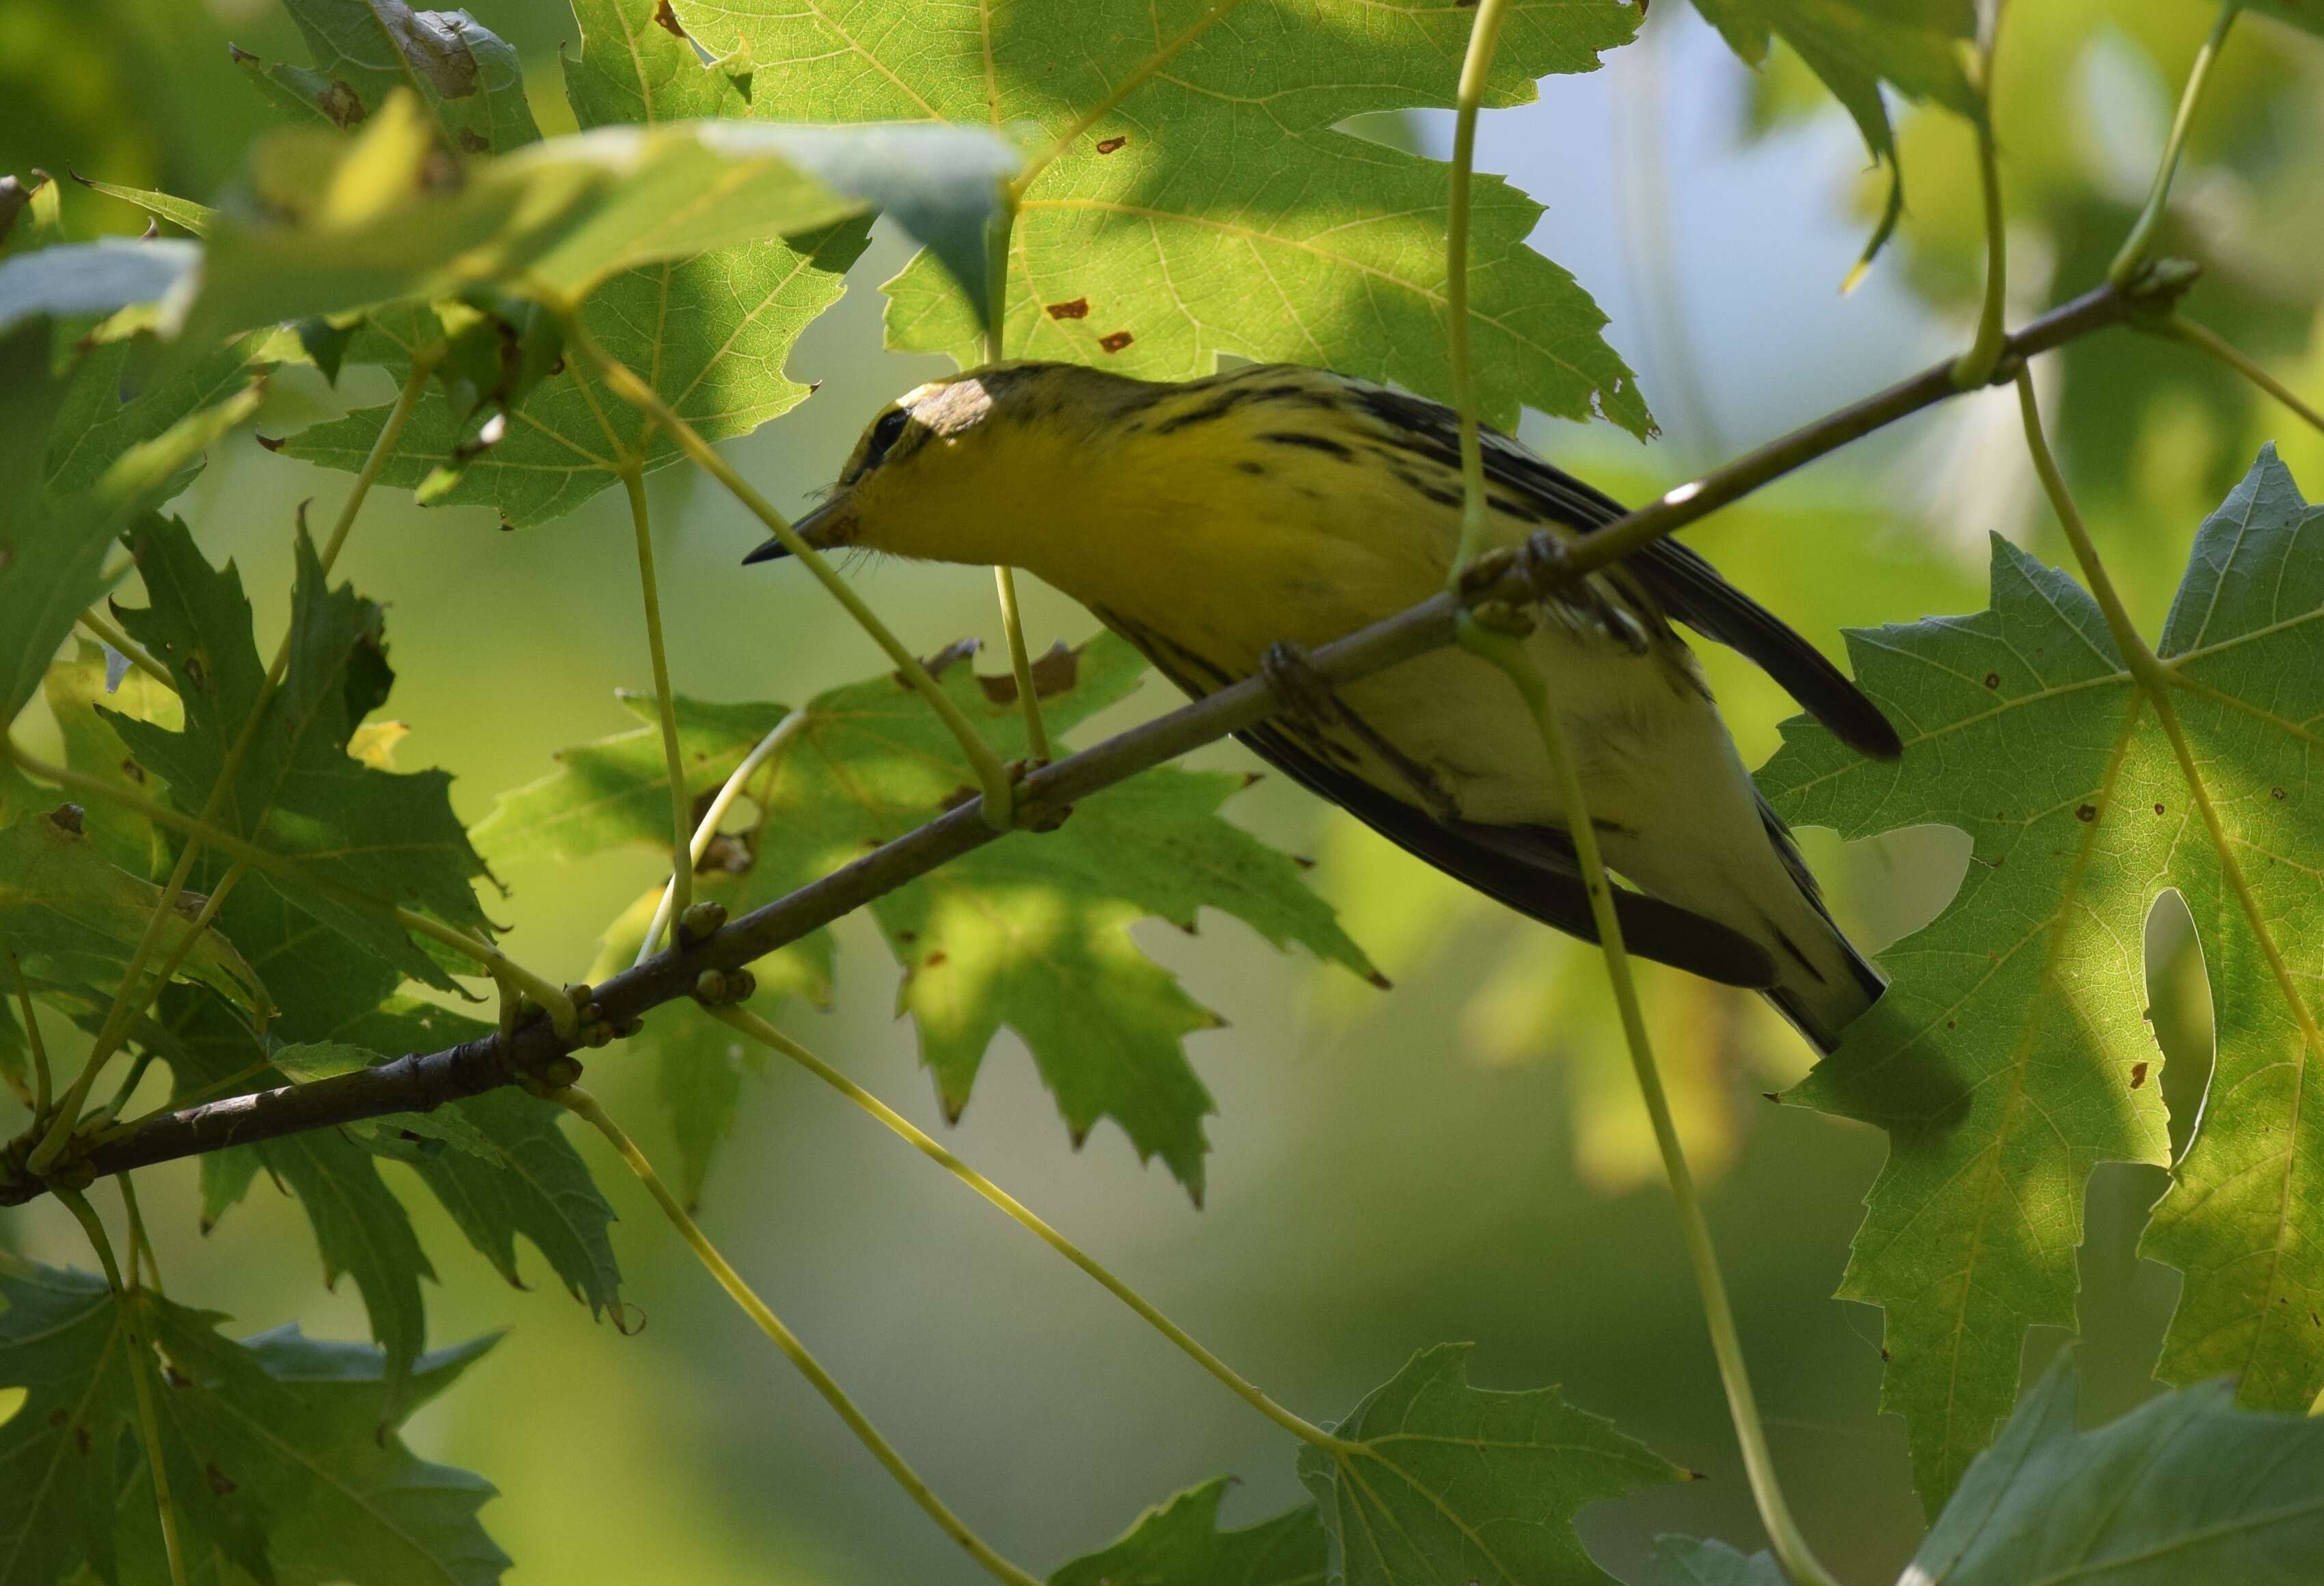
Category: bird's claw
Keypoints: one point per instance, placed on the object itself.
(1287, 672)
(1542, 565)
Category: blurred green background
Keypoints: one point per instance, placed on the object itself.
(1462, 1158)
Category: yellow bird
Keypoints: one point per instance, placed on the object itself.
(1222, 525)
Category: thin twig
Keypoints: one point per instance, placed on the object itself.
(1976, 366)
(681, 810)
(41, 1097)
(585, 1107)
(1476, 68)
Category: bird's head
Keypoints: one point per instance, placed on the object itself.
(970, 469)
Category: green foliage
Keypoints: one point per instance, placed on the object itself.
(1179, 1543)
(2010, 1054)
(71, 489)
(280, 1454)
(1210, 205)
(92, 277)
(365, 49)
(1436, 1480)
(68, 913)
(707, 316)
(1030, 932)
(357, 841)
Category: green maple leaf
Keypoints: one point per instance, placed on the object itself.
(365, 50)
(2185, 1487)
(1444, 1482)
(65, 911)
(1030, 932)
(360, 841)
(1212, 207)
(710, 334)
(2009, 1055)
(281, 1453)
(1179, 1543)
(1686, 1561)
(81, 464)
(1855, 46)
(76, 690)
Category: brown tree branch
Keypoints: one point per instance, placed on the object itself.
(420, 1083)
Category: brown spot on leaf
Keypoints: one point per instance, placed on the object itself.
(2276, 793)
(80, 1439)
(1108, 146)
(67, 817)
(196, 673)
(474, 141)
(1116, 342)
(1071, 308)
(2086, 813)
(60, 1417)
(907, 937)
(666, 20)
(933, 959)
(2158, 809)
(132, 771)
(220, 1482)
(342, 105)
(2137, 1075)
(1993, 679)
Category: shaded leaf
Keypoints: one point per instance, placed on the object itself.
(63, 908)
(2185, 1487)
(281, 1452)
(2010, 1054)
(1212, 207)
(1683, 1561)
(64, 502)
(1449, 1483)
(1179, 1543)
(76, 279)
(359, 841)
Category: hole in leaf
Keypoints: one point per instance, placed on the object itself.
(2179, 1006)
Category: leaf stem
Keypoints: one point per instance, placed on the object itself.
(992, 776)
(140, 1364)
(2158, 198)
(1974, 367)
(2178, 328)
(2154, 679)
(141, 1244)
(584, 1105)
(759, 1030)
(1790, 1547)
(680, 892)
(1001, 231)
(127, 649)
(1476, 66)
(706, 829)
(40, 1097)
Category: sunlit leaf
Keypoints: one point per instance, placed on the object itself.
(1446, 1482)
(1030, 933)
(2010, 1054)
(1179, 1543)
(1210, 205)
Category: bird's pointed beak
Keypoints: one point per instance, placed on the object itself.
(831, 525)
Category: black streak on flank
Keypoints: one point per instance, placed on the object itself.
(1320, 443)
(1256, 470)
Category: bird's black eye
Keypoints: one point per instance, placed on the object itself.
(885, 433)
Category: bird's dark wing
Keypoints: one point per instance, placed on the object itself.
(1532, 869)
(1689, 588)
